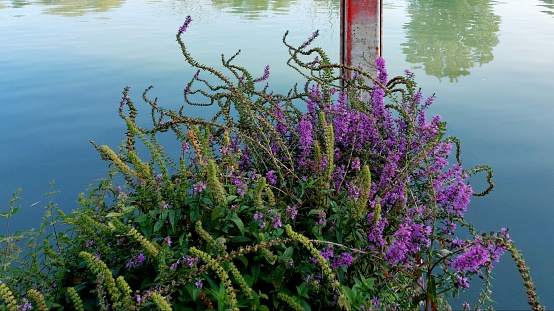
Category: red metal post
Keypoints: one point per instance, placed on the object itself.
(361, 32)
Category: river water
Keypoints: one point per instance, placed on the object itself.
(63, 65)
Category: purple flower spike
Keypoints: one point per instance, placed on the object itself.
(185, 25)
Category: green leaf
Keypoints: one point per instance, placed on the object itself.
(349, 293)
(141, 219)
(288, 252)
(240, 225)
(303, 290)
(432, 291)
(231, 198)
(172, 218)
(217, 212)
(239, 239)
(114, 214)
(159, 224)
(255, 269)
(305, 305)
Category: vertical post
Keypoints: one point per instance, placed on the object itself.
(361, 31)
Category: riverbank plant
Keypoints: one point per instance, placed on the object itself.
(338, 195)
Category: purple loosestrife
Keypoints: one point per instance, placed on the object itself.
(462, 281)
(409, 239)
(479, 254)
(375, 233)
(309, 40)
(271, 177)
(306, 140)
(280, 123)
(265, 76)
(185, 25)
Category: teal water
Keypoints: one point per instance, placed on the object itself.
(63, 65)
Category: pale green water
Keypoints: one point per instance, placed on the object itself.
(63, 65)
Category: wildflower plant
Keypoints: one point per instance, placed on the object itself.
(338, 195)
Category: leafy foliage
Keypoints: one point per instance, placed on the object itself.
(337, 195)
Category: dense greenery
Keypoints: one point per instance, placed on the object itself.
(338, 195)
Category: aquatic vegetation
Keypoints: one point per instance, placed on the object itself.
(337, 195)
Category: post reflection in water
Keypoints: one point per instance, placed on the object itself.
(447, 38)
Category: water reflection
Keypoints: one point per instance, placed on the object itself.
(67, 7)
(447, 38)
(15, 4)
(256, 9)
(548, 7)
(79, 7)
(253, 9)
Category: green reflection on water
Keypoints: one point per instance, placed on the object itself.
(79, 7)
(256, 9)
(447, 38)
(253, 9)
(68, 7)
(16, 4)
(548, 7)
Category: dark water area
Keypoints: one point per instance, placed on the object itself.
(64, 64)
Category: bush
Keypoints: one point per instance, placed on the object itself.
(338, 195)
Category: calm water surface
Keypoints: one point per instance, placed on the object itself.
(63, 65)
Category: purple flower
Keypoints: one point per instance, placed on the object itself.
(174, 265)
(168, 240)
(276, 220)
(265, 76)
(306, 137)
(408, 240)
(258, 216)
(322, 220)
(185, 25)
(26, 306)
(136, 261)
(356, 164)
(185, 146)
(190, 261)
(271, 177)
(471, 260)
(462, 282)
(314, 35)
(198, 283)
(198, 187)
(291, 211)
(89, 243)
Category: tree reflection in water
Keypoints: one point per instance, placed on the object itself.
(253, 9)
(447, 38)
(547, 7)
(79, 7)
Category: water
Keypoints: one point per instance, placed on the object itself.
(63, 65)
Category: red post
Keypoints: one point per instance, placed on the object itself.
(361, 32)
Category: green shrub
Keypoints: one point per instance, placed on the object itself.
(338, 195)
